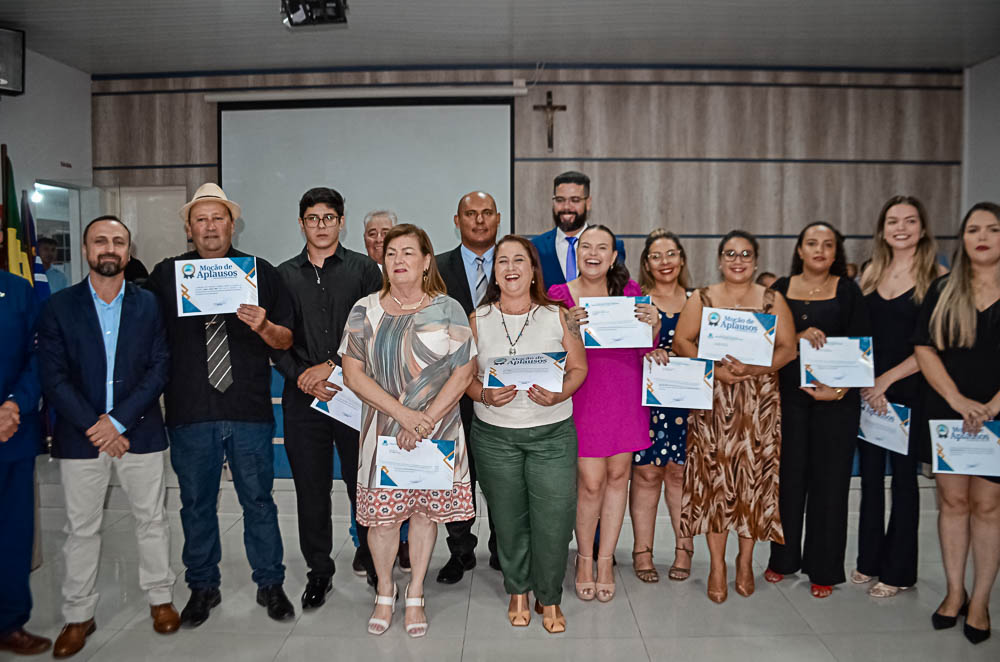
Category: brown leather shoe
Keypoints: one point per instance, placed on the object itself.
(165, 618)
(72, 638)
(21, 642)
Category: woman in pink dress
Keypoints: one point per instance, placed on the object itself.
(610, 420)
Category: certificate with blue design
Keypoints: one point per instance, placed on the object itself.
(745, 335)
(843, 361)
(958, 452)
(429, 466)
(890, 430)
(611, 323)
(523, 370)
(215, 286)
(344, 406)
(682, 383)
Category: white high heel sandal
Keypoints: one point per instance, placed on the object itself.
(374, 623)
(415, 629)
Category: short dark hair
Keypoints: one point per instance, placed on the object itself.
(742, 234)
(321, 195)
(107, 217)
(48, 241)
(572, 177)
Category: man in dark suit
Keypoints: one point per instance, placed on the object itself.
(102, 352)
(20, 429)
(466, 271)
(571, 203)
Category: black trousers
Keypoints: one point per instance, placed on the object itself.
(818, 440)
(17, 521)
(889, 554)
(461, 540)
(310, 438)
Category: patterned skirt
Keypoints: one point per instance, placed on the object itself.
(384, 506)
(733, 454)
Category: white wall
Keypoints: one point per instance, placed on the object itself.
(981, 153)
(49, 124)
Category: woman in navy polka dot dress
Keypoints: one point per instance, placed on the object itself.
(664, 277)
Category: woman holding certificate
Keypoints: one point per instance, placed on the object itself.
(611, 423)
(408, 355)
(733, 449)
(526, 446)
(903, 266)
(663, 276)
(819, 423)
(958, 348)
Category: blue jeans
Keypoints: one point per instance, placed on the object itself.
(196, 453)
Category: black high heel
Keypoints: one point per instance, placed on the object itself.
(975, 635)
(942, 622)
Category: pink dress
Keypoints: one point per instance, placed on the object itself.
(607, 408)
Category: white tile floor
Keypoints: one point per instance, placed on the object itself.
(666, 621)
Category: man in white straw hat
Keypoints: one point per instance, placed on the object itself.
(219, 407)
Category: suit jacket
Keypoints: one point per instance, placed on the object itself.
(452, 269)
(552, 272)
(72, 363)
(18, 366)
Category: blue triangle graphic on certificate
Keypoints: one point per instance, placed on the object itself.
(386, 481)
(494, 382)
(942, 465)
(190, 307)
(446, 446)
(810, 378)
(322, 405)
(244, 263)
(650, 398)
(589, 340)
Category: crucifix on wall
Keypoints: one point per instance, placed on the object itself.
(550, 116)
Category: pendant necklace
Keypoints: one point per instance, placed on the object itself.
(317, 272)
(409, 306)
(822, 285)
(513, 349)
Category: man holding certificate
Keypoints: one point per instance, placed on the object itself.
(323, 281)
(733, 450)
(956, 344)
(219, 399)
(819, 419)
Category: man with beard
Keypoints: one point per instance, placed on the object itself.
(324, 281)
(107, 417)
(571, 203)
(219, 407)
(466, 271)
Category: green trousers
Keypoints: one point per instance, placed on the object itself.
(529, 478)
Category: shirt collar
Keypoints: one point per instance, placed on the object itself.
(302, 259)
(561, 236)
(116, 300)
(470, 258)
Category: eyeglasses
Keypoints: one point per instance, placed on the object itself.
(731, 255)
(559, 200)
(668, 255)
(312, 220)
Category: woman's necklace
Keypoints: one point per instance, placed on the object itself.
(513, 349)
(821, 286)
(409, 306)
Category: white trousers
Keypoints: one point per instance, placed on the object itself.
(85, 483)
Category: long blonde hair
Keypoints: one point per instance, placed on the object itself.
(924, 260)
(953, 322)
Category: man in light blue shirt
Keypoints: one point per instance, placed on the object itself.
(47, 248)
(109, 316)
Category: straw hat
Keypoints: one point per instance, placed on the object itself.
(211, 193)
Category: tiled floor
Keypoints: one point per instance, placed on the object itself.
(667, 621)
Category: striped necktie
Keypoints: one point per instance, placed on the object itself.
(480, 279)
(220, 374)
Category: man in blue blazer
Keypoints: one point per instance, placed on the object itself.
(19, 437)
(102, 352)
(571, 203)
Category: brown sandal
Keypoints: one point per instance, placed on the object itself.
(647, 575)
(552, 617)
(677, 573)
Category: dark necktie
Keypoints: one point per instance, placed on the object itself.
(220, 374)
(481, 279)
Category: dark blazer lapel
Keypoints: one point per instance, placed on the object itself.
(458, 278)
(125, 325)
(91, 326)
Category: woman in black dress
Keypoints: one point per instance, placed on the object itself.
(819, 425)
(902, 268)
(958, 348)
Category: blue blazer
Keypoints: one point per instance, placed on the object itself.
(18, 367)
(552, 272)
(72, 365)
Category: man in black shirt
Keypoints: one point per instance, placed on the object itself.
(219, 407)
(324, 282)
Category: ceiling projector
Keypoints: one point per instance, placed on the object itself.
(313, 13)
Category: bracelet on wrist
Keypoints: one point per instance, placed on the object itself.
(482, 398)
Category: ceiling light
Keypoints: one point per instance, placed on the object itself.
(36, 197)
